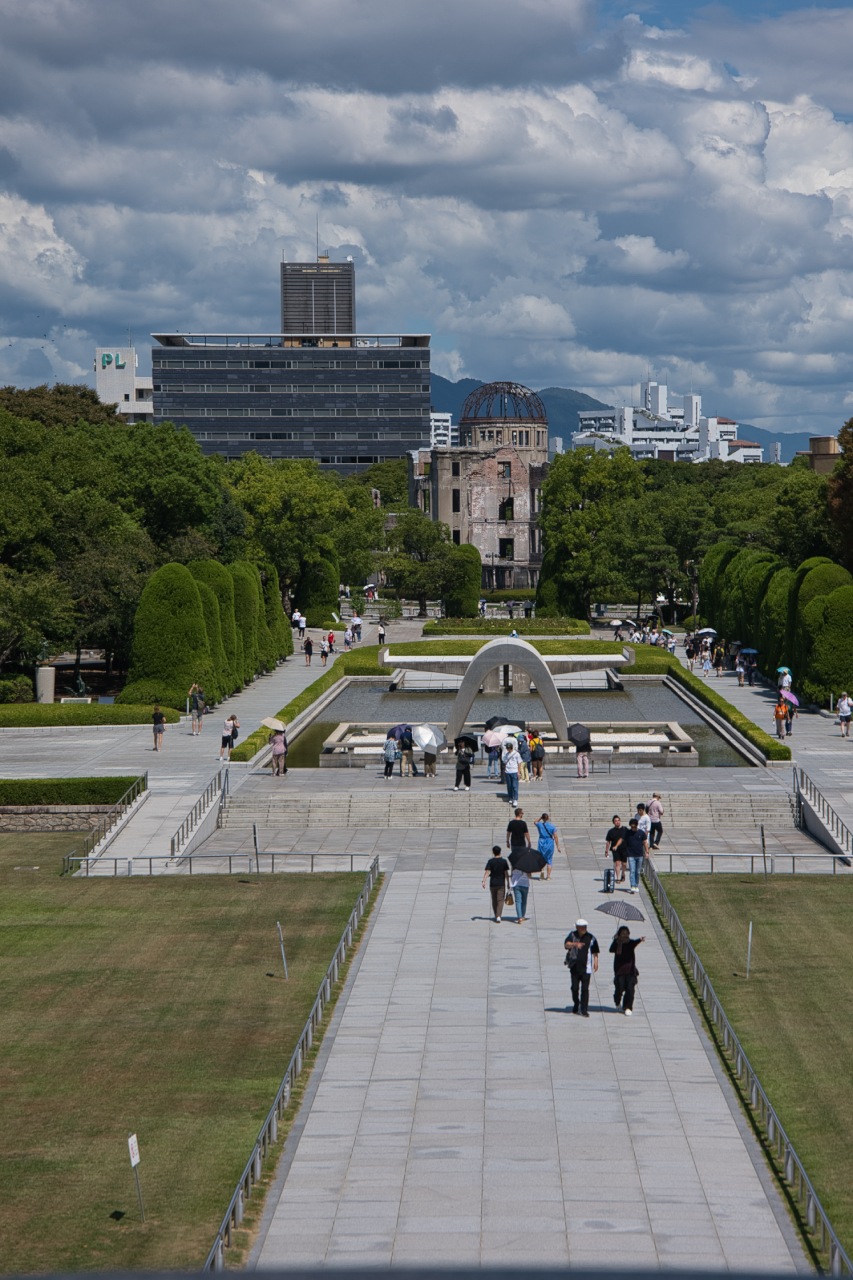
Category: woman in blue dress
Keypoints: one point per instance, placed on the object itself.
(548, 840)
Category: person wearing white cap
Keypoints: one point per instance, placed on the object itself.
(582, 958)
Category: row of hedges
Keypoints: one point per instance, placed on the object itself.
(537, 626)
(801, 618)
(49, 715)
(58, 791)
(362, 662)
(208, 623)
(655, 662)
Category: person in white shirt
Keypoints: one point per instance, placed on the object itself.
(512, 763)
(644, 822)
(845, 710)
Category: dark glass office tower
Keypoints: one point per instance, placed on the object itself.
(344, 400)
(318, 297)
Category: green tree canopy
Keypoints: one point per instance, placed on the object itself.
(420, 562)
(170, 644)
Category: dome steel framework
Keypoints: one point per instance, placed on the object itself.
(504, 403)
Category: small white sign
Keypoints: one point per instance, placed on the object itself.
(133, 1147)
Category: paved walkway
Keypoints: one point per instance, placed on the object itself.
(464, 1117)
(816, 743)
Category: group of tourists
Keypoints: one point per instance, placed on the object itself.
(582, 952)
(510, 884)
(628, 846)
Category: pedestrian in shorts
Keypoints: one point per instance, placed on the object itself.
(845, 710)
(615, 846)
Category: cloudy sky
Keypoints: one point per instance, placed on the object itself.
(560, 192)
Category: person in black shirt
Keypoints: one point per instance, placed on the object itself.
(625, 974)
(614, 845)
(497, 869)
(582, 959)
(517, 833)
(637, 848)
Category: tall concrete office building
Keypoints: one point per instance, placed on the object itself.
(318, 297)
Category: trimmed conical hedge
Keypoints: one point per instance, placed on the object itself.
(277, 620)
(213, 627)
(827, 625)
(170, 647)
(267, 654)
(246, 606)
(217, 577)
(463, 599)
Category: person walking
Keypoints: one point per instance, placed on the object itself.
(739, 668)
(389, 755)
(524, 752)
(196, 697)
(706, 665)
(785, 681)
(493, 768)
(356, 627)
(625, 973)
(845, 711)
(228, 736)
(519, 883)
(752, 670)
(429, 764)
(463, 766)
(512, 763)
(719, 660)
(324, 650)
(655, 813)
(518, 837)
(548, 841)
(582, 752)
(347, 640)
(637, 848)
(537, 756)
(644, 822)
(302, 623)
(159, 725)
(615, 846)
(294, 619)
(381, 632)
(517, 832)
(279, 753)
(308, 646)
(792, 714)
(780, 715)
(497, 869)
(582, 959)
(331, 639)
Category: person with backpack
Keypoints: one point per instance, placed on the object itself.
(582, 959)
(493, 769)
(525, 753)
(548, 840)
(537, 755)
(625, 973)
(463, 766)
(229, 737)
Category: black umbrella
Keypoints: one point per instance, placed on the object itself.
(523, 859)
(621, 909)
(467, 740)
(579, 735)
(398, 731)
(502, 720)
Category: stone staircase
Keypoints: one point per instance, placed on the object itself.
(349, 809)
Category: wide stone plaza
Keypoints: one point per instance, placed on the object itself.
(458, 1112)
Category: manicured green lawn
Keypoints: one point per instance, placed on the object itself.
(794, 1017)
(155, 1006)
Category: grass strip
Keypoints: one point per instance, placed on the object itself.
(788, 1017)
(38, 715)
(504, 626)
(147, 1005)
(58, 791)
(650, 662)
(466, 647)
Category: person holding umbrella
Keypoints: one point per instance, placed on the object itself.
(780, 715)
(464, 756)
(582, 959)
(524, 862)
(625, 973)
(791, 712)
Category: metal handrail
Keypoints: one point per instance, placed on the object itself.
(768, 860)
(269, 1129)
(115, 814)
(218, 785)
(837, 828)
(254, 863)
(794, 1171)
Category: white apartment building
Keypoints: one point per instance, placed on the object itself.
(442, 433)
(116, 383)
(672, 430)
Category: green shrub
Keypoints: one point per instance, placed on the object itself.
(773, 621)
(553, 598)
(277, 620)
(246, 608)
(502, 597)
(320, 616)
(466, 647)
(319, 583)
(464, 599)
(711, 578)
(217, 577)
(212, 625)
(735, 611)
(651, 662)
(16, 689)
(37, 715)
(170, 647)
(827, 629)
(821, 579)
(267, 648)
(755, 584)
(25, 791)
(503, 626)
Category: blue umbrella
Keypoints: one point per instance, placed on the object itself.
(788, 669)
(749, 651)
(398, 731)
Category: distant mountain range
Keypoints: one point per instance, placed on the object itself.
(562, 405)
